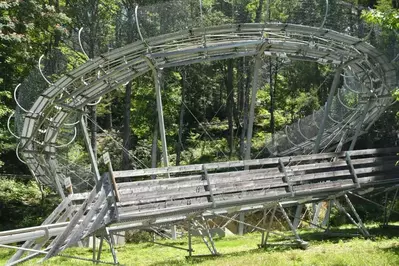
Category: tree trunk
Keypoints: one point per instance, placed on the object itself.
(230, 105)
(179, 146)
(126, 128)
(109, 124)
(259, 12)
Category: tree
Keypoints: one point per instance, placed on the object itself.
(384, 14)
(5, 111)
(28, 30)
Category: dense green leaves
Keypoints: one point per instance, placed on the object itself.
(384, 15)
(22, 203)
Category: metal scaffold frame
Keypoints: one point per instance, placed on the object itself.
(193, 194)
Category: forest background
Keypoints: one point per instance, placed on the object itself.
(205, 105)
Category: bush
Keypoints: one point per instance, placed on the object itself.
(22, 204)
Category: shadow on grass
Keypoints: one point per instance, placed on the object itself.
(394, 249)
(335, 235)
(313, 236)
(208, 258)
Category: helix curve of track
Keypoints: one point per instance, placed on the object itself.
(367, 73)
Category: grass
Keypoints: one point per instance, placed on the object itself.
(383, 250)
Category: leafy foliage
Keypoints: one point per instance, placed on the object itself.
(22, 204)
(384, 15)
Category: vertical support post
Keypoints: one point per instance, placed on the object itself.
(100, 248)
(326, 220)
(360, 124)
(93, 159)
(316, 209)
(94, 247)
(327, 107)
(241, 225)
(157, 78)
(173, 233)
(264, 225)
(385, 209)
(190, 250)
(157, 81)
(53, 171)
(389, 211)
(252, 109)
(297, 218)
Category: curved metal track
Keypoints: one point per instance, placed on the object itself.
(97, 77)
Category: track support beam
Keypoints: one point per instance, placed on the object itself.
(327, 107)
(252, 109)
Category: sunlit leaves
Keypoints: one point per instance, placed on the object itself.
(383, 15)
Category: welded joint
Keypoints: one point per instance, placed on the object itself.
(44, 238)
(151, 62)
(265, 45)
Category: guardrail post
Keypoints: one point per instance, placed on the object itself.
(352, 170)
(208, 187)
(285, 178)
(93, 159)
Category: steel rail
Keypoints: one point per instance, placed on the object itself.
(224, 41)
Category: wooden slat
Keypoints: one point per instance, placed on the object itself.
(163, 205)
(153, 185)
(217, 190)
(240, 180)
(259, 162)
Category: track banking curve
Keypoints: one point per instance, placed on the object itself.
(372, 71)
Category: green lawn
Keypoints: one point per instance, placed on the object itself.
(384, 250)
